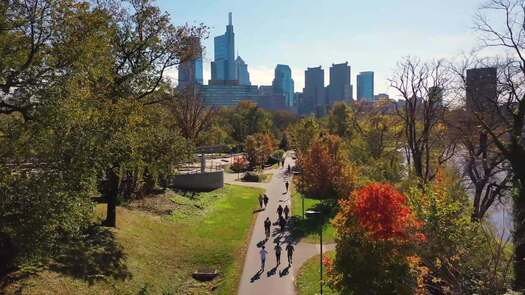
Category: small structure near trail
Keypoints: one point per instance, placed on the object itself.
(202, 179)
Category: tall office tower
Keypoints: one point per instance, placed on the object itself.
(365, 86)
(482, 89)
(223, 68)
(340, 88)
(314, 98)
(242, 71)
(283, 83)
(190, 72)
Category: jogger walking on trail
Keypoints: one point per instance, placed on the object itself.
(267, 227)
(287, 185)
(280, 211)
(265, 200)
(282, 162)
(282, 223)
(278, 250)
(263, 254)
(286, 212)
(261, 200)
(289, 250)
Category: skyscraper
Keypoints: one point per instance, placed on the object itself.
(223, 68)
(365, 86)
(190, 72)
(482, 89)
(242, 71)
(340, 87)
(314, 98)
(283, 83)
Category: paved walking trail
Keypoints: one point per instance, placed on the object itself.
(274, 279)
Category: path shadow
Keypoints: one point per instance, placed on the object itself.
(93, 256)
(262, 243)
(258, 210)
(284, 272)
(272, 271)
(256, 276)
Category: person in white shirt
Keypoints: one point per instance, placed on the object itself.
(263, 254)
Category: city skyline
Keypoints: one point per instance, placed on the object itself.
(346, 36)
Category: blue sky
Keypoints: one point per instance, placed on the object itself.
(372, 35)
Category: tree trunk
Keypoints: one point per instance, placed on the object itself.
(519, 240)
(111, 193)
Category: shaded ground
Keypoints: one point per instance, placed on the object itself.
(154, 254)
(307, 229)
(308, 277)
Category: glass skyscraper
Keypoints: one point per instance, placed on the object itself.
(190, 72)
(340, 88)
(365, 86)
(223, 68)
(283, 83)
(314, 98)
(242, 71)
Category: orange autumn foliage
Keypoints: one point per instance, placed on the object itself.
(325, 171)
(382, 213)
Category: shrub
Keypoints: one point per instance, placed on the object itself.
(252, 177)
(240, 164)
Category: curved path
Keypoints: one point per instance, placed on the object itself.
(274, 279)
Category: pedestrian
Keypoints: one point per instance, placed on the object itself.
(265, 200)
(286, 212)
(280, 211)
(289, 168)
(289, 250)
(263, 254)
(278, 250)
(282, 223)
(261, 200)
(287, 184)
(267, 227)
(282, 162)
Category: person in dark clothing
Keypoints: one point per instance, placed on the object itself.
(278, 250)
(265, 200)
(289, 168)
(287, 184)
(286, 212)
(282, 223)
(267, 227)
(280, 211)
(282, 162)
(289, 250)
(261, 200)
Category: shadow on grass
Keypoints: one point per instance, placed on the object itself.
(300, 228)
(94, 256)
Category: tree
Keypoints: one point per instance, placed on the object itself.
(303, 133)
(326, 172)
(247, 119)
(422, 88)
(259, 147)
(340, 120)
(377, 235)
(191, 115)
(509, 108)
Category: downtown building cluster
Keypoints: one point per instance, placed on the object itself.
(230, 82)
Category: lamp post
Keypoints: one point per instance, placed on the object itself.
(318, 213)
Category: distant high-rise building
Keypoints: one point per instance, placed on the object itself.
(283, 83)
(190, 72)
(223, 68)
(227, 95)
(365, 86)
(242, 71)
(340, 88)
(482, 89)
(314, 98)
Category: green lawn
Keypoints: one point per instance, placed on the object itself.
(308, 229)
(307, 282)
(156, 254)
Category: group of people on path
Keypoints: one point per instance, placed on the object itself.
(283, 215)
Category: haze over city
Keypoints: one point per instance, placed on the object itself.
(370, 35)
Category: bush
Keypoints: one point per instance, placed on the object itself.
(252, 177)
(240, 164)
(275, 157)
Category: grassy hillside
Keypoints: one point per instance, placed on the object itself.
(150, 253)
(307, 282)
